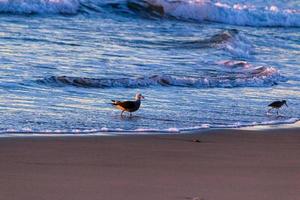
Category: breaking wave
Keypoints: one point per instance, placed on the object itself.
(39, 6)
(200, 10)
(230, 40)
(246, 77)
(237, 14)
(215, 41)
(233, 42)
(74, 6)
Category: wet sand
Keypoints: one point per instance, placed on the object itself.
(223, 165)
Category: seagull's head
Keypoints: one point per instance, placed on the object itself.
(284, 102)
(139, 96)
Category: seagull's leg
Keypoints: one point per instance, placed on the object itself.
(269, 110)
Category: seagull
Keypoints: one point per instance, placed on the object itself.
(277, 105)
(129, 106)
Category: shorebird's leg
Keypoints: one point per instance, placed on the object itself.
(130, 114)
(122, 113)
(269, 110)
(278, 111)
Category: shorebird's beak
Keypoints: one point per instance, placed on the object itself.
(142, 97)
(286, 104)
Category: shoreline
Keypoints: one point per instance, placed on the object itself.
(226, 164)
(256, 128)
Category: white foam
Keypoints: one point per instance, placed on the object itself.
(241, 124)
(39, 6)
(237, 14)
(238, 46)
(117, 131)
(260, 76)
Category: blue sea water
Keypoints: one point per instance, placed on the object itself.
(200, 64)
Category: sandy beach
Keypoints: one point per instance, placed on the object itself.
(224, 165)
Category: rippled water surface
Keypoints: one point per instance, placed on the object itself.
(63, 61)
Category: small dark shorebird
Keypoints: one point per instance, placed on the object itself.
(128, 106)
(277, 105)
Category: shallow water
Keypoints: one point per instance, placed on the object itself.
(63, 61)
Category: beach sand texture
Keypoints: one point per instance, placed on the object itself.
(224, 165)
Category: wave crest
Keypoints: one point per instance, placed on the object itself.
(257, 77)
(39, 6)
(237, 14)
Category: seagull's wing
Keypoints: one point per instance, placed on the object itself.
(127, 104)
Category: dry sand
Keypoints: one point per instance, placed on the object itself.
(224, 165)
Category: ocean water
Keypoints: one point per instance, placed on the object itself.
(200, 64)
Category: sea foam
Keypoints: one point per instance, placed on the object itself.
(261, 76)
(237, 14)
(118, 131)
(39, 6)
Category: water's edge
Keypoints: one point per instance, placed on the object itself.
(117, 133)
